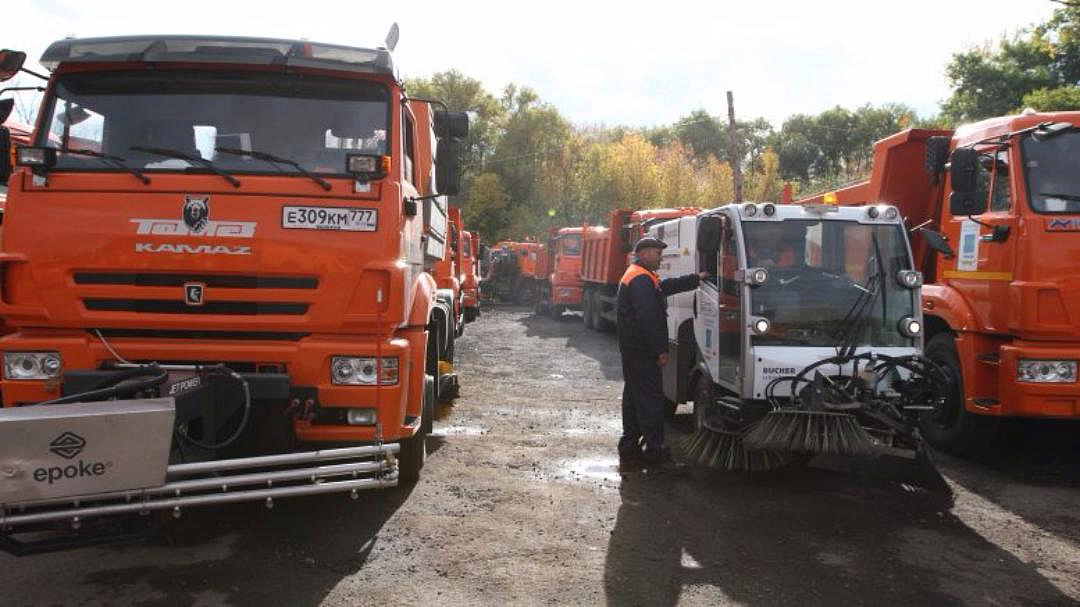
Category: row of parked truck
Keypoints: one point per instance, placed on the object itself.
(229, 272)
(992, 211)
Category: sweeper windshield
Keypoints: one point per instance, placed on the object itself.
(830, 282)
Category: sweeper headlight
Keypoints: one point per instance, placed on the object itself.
(749, 210)
(910, 327)
(760, 325)
(909, 279)
(756, 276)
(32, 365)
(769, 209)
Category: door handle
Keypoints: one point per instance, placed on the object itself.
(695, 305)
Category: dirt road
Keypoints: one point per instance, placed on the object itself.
(522, 503)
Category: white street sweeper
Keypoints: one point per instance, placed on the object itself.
(805, 340)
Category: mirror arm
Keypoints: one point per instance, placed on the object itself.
(33, 73)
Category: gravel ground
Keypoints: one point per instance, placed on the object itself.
(522, 502)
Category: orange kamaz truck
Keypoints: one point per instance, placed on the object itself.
(512, 271)
(994, 209)
(607, 252)
(559, 273)
(470, 267)
(214, 264)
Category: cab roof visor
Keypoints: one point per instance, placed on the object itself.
(218, 49)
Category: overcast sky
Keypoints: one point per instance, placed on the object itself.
(613, 63)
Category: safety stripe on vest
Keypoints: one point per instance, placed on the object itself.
(634, 271)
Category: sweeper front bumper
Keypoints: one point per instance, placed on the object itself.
(71, 462)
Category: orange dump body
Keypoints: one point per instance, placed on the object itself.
(1006, 298)
(607, 251)
(470, 281)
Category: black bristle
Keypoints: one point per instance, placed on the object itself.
(810, 432)
(725, 451)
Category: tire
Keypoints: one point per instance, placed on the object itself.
(471, 314)
(589, 305)
(427, 420)
(555, 312)
(953, 428)
(703, 397)
(451, 348)
(412, 456)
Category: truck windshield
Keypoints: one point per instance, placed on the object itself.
(571, 244)
(1053, 183)
(313, 121)
(829, 282)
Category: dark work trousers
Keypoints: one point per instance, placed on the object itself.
(642, 404)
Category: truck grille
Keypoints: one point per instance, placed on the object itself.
(166, 306)
(221, 281)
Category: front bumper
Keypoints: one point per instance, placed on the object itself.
(1027, 399)
(566, 296)
(305, 363)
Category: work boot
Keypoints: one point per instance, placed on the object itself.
(661, 461)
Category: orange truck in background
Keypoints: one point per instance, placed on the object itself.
(470, 268)
(559, 273)
(607, 252)
(214, 264)
(512, 271)
(994, 210)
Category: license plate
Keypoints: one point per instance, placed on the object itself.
(329, 218)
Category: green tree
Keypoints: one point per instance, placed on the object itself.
(1053, 100)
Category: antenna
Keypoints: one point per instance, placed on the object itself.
(392, 37)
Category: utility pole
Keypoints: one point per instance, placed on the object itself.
(733, 148)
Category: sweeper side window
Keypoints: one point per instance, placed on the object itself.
(830, 282)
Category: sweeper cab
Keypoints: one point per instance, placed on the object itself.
(806, 338)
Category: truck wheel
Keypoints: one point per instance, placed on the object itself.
(590, 321)
(427, 421)
(555, 312)
(470, 314)
(703, 399)
(952, 427)
(411, 457)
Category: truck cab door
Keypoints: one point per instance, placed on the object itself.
(986, 243)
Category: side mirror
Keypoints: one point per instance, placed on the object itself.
(448, 166)
(963, 175)
(10, 63)
(6, 105)
(5, 155)
(451, 124)
(936, 241)
(708, 234)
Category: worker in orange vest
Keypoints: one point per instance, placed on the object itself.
(643, 344)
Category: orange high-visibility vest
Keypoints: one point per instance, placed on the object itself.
(634, 271)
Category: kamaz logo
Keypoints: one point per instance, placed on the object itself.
(1071, 224)
(191, 249)
(178, 227)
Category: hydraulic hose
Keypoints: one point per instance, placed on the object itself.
(227, 372)
(159, 377)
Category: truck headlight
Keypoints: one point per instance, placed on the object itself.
(909, 279)
(760, 325)
(910, 327)
(1046, 371)
(360, 371)
(32, 365)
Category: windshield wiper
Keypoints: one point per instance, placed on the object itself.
(1061, 196)
(265, 156)
(116, 161)
(189, 158)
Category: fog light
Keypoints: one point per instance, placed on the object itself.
(32, 365)
(910, 327)
(362, 417)
(360, 371)
(760, 325)
(909, 279)
(1046, 371)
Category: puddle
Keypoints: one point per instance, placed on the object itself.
(592, 468)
